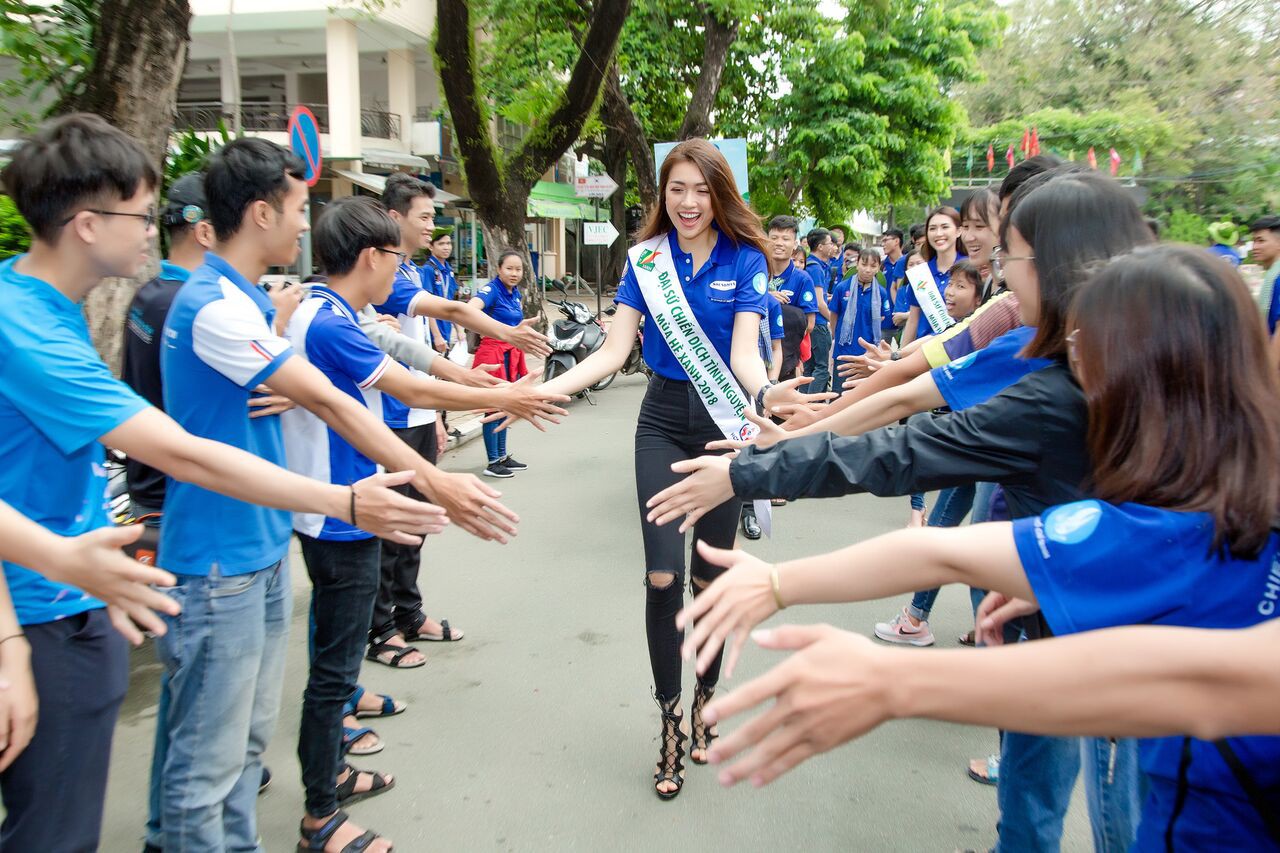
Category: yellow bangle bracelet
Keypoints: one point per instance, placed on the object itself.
(777, 591)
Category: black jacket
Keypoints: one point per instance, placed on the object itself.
(1030, 438)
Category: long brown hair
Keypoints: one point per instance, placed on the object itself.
(1184, 403)
(952, 214)
(733, 216)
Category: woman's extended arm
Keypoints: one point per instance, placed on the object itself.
(980, 555)
(1141, 681)
(913, 326)
(604, 361)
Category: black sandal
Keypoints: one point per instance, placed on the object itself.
(347, 793)
(670, 766)
(316, 839)
(446, 635)
(398, 654)
(701, 736)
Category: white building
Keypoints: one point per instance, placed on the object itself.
(369, 78)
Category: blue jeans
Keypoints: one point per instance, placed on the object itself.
(344, 583)
(953, 505)
(224, 664)
(818, 367)
(1036, 777)
(495, 442)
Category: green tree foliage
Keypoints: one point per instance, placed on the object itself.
(1203, 75)
(52, 44)
(868, 117)
(1186, 227)
(15, 236)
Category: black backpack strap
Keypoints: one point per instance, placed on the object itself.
(1267, 810)
(1180, 798)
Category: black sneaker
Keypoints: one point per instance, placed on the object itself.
(497, 469)
(512, 465)
(750, 526)
(266, 780)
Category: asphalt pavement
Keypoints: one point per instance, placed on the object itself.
(537, 731)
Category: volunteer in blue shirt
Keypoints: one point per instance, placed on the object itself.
(87, 191)
(790, 285)
(942, 248)
(819, 266)
(1223, 237)
(1266, 252)
(895, 261)
(702, 247)
(500, 300)
(443, 283)
(860, 309)
(1166, 495)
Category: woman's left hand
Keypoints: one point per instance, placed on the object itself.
(833, 689)
(706, 487)
(736, 602)
(788, 393)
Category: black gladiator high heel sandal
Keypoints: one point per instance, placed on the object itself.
(670, 766)
(701, 736)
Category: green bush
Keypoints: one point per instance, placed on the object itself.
(15, 235)
(1186, 227)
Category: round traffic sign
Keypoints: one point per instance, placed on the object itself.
(304, 139)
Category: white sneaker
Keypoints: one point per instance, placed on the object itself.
(901, 631)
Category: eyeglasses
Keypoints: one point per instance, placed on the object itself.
(149, 217)
(403, 256)
(999, 259)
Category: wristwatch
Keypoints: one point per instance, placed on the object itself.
(895, 355)
(760, 397)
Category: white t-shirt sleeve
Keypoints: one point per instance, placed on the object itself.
(234, 338)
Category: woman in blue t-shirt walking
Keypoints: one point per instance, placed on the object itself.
(500, 299)
(698, 278)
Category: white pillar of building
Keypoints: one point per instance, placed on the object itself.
(342, 58)
(402, 95)
(291, 89)
(227, 81)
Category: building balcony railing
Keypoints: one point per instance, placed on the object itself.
(206, 115)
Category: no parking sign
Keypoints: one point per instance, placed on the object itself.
(304, 139)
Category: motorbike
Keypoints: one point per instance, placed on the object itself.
(574, 337)
(635, 359)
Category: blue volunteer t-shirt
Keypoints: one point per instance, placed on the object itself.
(1093, 565)
(443, 284)
(325, 331)
(57, 399)
(1226, 252)
(798, 287)
(500, 303)
(819, 272)
(894, 270)
(980, 375)
(407, 292)
(775, 319)
(941, 279)
(863, 319)
(735, 279)
(219, 347)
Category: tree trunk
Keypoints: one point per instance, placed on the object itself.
(615, 164)
(717, 37)
(620, 118)
(141, 49)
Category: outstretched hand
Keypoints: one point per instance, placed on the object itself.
(481, 376)
(526, 338)
(995, 611)
(788, 394)
(737, 601)
(768, 435)
(473, 506)
(833, 689)
(391, 515)
(706, 487)
(523, 401)
(861, 366)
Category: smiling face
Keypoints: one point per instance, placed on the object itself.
(1020, 276)
(941, 233)
(961, 296)
(417, 224)
(782, 242)
(119, 245)
(891, 244)
(979, 238)
(915, 260)
(285, 227)
(688, 201)
(384, 265)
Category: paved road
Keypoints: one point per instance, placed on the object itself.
(537, 731)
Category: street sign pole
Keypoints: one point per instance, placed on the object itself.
(599, 253)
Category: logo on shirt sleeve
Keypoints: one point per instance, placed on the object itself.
(808, 296)
(484, 289)
(760, 282)
(1072, 523)
(779, 321)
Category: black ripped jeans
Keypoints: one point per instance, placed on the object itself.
(675, 425)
